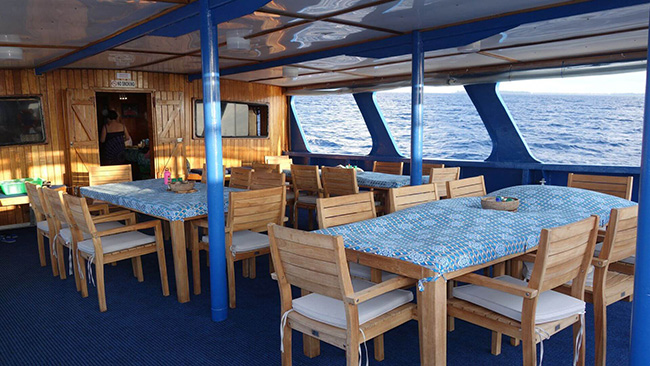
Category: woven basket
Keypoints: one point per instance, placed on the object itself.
(490, 203)
(181, 186)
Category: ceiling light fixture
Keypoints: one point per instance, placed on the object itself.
(235, 40)
(10, 53)
(290, 72)
(470, 48)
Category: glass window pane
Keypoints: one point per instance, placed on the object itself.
(452, 127)
(333, 124)
(21, 121)
(237, 119)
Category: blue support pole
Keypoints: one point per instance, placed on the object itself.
(640, 342)
(417, 99)
(214, 162)
(383, 143)
(507, 143)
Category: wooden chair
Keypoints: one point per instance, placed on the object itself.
(266, 179)
(284, 160)
(341, 210)
(564, 254)
(440, 177)
(43, 226)
(110, 246)
(388, 167)
(339, 181)
(249, 213)
(615, 186)
(307, 188)
(240, 178)
(106, 174)
(317, 264)
(409, 196)
(426, 167)
(271, 168)
(468, 187)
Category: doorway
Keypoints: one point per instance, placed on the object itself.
(134, 112)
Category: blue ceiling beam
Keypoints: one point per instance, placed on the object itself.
(174, 22)
(442, 38)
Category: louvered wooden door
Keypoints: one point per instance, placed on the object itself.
(169, 151)
(82, 135)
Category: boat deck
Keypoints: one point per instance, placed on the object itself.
(45, 321)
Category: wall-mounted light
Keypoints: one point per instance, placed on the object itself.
(123, 97)
(10, 53)
(290, 72)
(235, 40)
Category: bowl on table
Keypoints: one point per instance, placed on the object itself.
(500, 203)
(182, 187)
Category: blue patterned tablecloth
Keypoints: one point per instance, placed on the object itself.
(379, 180)
(152, 198)
(452, 234)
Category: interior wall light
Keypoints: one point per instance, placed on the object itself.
(10, 53)
(123, 97)
(290, 72)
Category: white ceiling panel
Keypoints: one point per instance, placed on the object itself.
(346, 62)
(314, 7)
(301, 39)
(116, 60)
(408, 15)
(32, 57)
(252, 24)
(274, 72)
(72, 22)
(460, 61)
(181, 65)
(311, 79)
(183, 44)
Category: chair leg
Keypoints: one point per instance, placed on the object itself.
(41, 249)
(379, 347)
(101, 291)
(196, 262)
(252, 271)
(271, 267)
(60, 261)
(496, 343)
(530, 353)
(114, 264)
(295, 216)
(166, 231)
(577, 329)
(311, 219)
(451, 324)
(41, 241)
(231, 281)
(600, 317)
(245, 267)
(133, 268)
(514, 342)
(162, 263)
(286, 344)
(138, 268)
(352, 354)
(77, 280)
(83, 276)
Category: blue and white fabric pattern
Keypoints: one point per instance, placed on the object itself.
(452, 234)
(152, 198)
(379, 180)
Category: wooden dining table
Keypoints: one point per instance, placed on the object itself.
(150, 197)
(441, 240)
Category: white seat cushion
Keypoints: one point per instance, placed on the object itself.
(331, 311)
(628, 260)
(310, 200)
(363, 272)
(551, 305)
(245, 241)
(117, 242)
(66, 234)
(42, 225)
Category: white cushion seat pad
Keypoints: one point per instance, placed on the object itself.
(363, 272)
(117, 242)
(310, 200)
(551, 305)
(332, 311)
(245, 241)
(42, 225)
(66, 234)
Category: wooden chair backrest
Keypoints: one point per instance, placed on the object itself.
(254, 210)
(341, 210)
(615, 186)
(284, 160)
(388, 167)
(565, 254)
(80, 218)
(271, 168)
(109, 174)
(306, 178)
(409, 196)
(620, 238)
(36, 199)
(339, 181)
(204, 174)
(440, 177)
(467, 187)
(58, 212)
(240, 178)
(312, 262)
(265, 179)
(426, 167)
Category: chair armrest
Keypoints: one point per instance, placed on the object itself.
(115, 216)
(380, 289)
(600, 263)
(528, 257)
(101, 207)
(492, 283)
(200, 223)
(125, 229)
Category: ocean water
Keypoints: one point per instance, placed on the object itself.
(564, 129)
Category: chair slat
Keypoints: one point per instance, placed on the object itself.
(339, 181)
(240, 178)
(107, 174)
(613, 185)
(388, 167)
(409, 196)
(342, 210)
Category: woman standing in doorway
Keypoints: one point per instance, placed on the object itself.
(114, 138)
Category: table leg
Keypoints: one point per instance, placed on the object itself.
(432, 313)
(177, 229)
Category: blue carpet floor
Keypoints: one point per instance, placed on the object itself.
(44, 321)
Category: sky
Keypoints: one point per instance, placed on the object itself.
(631, 82)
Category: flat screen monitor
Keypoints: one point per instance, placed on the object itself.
(21, 121)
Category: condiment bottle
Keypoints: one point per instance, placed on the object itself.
(167, 176)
